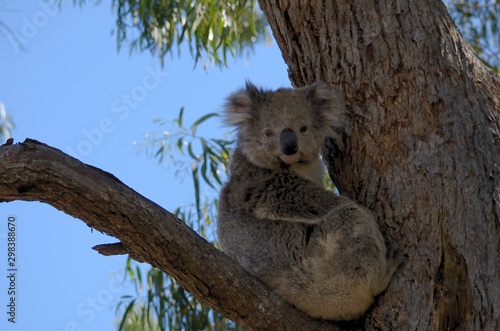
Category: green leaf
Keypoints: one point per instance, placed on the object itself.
(179, 118)
(191, 153)
(196, 182)
(125, 315)
(215, 172)
(139, 277)
(180, 143)
(203, 119)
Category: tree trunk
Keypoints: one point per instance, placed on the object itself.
(421, 148)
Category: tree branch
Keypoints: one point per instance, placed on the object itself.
(111, 249)
(32, 171)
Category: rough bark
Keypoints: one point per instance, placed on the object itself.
(32, 171)
(421, 148)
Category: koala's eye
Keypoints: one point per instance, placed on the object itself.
(303, 129)
(269, 133)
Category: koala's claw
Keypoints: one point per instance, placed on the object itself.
(394, 257)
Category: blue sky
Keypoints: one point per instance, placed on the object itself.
(71, 89)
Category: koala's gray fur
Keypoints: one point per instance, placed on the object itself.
(320, 251)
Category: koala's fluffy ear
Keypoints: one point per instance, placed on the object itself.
(242, 106)
(329, 105)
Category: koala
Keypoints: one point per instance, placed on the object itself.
(320, 251)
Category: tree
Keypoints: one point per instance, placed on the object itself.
(420, 150)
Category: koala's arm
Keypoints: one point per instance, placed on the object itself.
(288, 198)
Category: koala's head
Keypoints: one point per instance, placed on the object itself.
(283, 127)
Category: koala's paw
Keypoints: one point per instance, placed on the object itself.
(263, 212)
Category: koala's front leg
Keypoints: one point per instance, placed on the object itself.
(288, 198)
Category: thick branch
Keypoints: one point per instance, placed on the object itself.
(33, 171)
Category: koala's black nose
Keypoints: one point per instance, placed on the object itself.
(288, 141)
